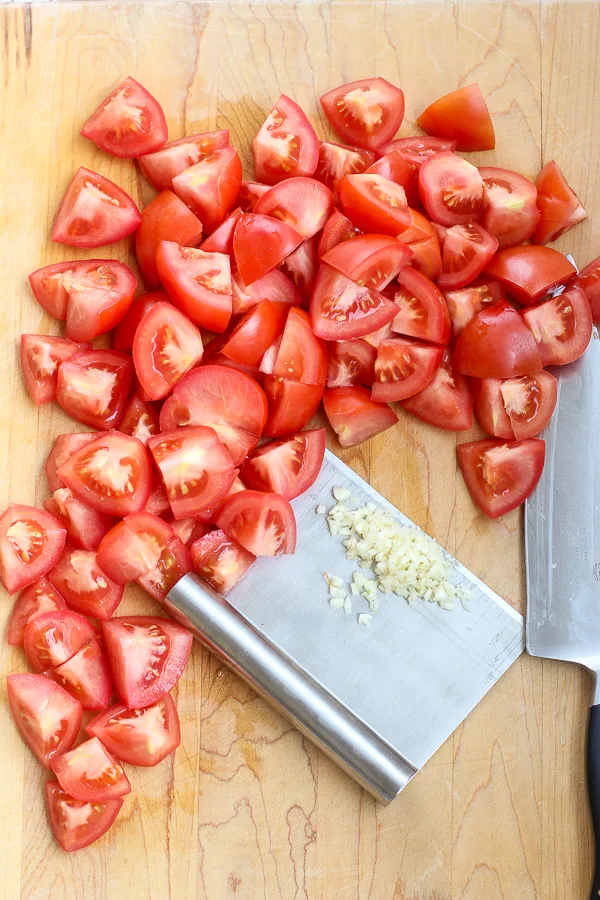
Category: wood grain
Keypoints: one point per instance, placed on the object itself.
(247, 808)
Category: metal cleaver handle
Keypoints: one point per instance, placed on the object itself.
(317, 713)
(593, 782)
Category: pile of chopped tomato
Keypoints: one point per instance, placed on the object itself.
(380, 270)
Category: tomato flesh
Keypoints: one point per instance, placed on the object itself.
(367, 113)
(140, 419)
(173, 564)
(445, 402)
(165, 347)
(461, 116)
(419, 149)
(559, 206)
(255, 332)
(561, 327)
(221, 240)
(40, 597)
(250, 194)
(77, 824)
(303, 203)
(292, 405)
(122, 338)
(301, 267)
(54, 637)
(287, 467)
(31, 541)
(161, 167)
(93, 387)
(371, 260)
(286, 144)
(198, 283)
(260, 243)
(529, 272)
(84, 585)
(47, 717)
(89, 772)
(263, 523)
(166, 218)
(375, 204)
(128, 123)
(210, 187)
(511, 213)
(466, 251)
(496, 343)
(341, 310)
(424, 245)
(301, 356)
(350, 362)
(515, 408)
(220, 560)
(500, 475)
(464, 304)
(404, 367)
(139, 737)
(133, 547)
(589, 282)
(41, 356)
(421, 311)
(274, 286)
(451, 189)
(396, 168)
(85, 525)
(354, 416)
(337, 229)
(335, 161)
(86, 676)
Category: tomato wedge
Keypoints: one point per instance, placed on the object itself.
(461, 116)
(263, 523)
(367, 113)
(147, 656)
(354, 416)
(374, 203)
(158, 503)
(221, 240)
(589, 282)
(64, 446)
(173, 564)
(287, 467)
(404, 367)
(341, 310)
(40, 597)
(94, 212)
(371, 260)
(303, 203)
(418, 149)
(421, 309)
(86, 676)
(394, 166)
(77, 824)
(250, 194)
(500, 475)
(133, 547)
(529, 272)
(350, 362)
(424, 244)
(195, 466)
(122, 338)
(139, 737)
(54, 637)
(286, 144)
(220, 560)
(31, 541)
(301, 356)
(464, 304)
(292, 405)
(128, 123)
(47, 717)
(93, 387)
(140, 419)
(198, 283)
(496, 344)
(466, 252)
(41, 355)
(161, 167)
(260, 243)
(228, 401)
(335, 161)
(190, 529)
(560, 207)
(255, 332)
(85, 525)
(210, 187)
(515, 408)
(337, 229)
(445, 402)
(84, 585)
(165, 347)
(451, 189)
(301, 267)
(511, 213)
(561, 327)
(274, 286)
(166, 218)
(111, 474)
(89, 772)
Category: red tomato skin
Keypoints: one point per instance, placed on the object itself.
(489, 407)
(431, 320)
(375, 204)
(140, 419)
(391, 112)
(260, 243)
(459, 240)
(216, 548)
(464, 304)
(166, 218)
(66, 228)
(255, 332)
(560, 207)
(511, 213)
(86, 677)
(162, 327)
(38, 598)
(285, 120)
(394, 166)
(451, 189)
(554, 348)
(85, 526)
(336, 160)
(529, 272)
(109, 727)
(404, 354)
(221, 240)
(128, 144)
(48, 289)
(143, 536)
(335, 295)
(292, 405)
(350, 363)
(354, 416)
(79, 368)
(302, 203)
(106, 301)
(26, 690)
(418, 149)
(461, 116)
(372, 260)
(250, 194)
(210, 187)
(499, 404)
(45, 541)
(39, 351)
(122, 338)
(301, 267)
(263, 470)
(173, 564)
(161, 167)
(301, 355)
(64, 446)
(470, 461)
(445, 402)
(85, 789)
(493, 345)
(338, 228)
(54, 637)
(193, 291)
(77, 568)
(589, 282)
(57, 800)
(232, 518)
(274, 286)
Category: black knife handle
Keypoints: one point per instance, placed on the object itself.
(593, 782)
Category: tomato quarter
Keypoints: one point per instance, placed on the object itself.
(303, 203)
(561, 327)
(374, 203)
(133, 547)
(140, 419)
(40, 597)
(445, 402)
(354, 416)
(466, 251)
(165, 347)
(529, 272)
(350, 362)
(461, 116)
(286, 467)
(77, 824)
(589, 282)
(337, 229)
(274, 286)
(221, 240)
(301, 356)
(335, 161)
(31, 541)
(260, 243)
(198, 283)
(366, 113)
(371, 260)
(263, 523)
(220, 560)
(421, 309)
(123, 334)
(54, 637)
(93, 387)
(292, 405)
(173, 564)
(84, 585)
(286, 144)
(90, 773)
(166, 218)
(495, 344)
(341, 310)
(515, 408)
(47, 717)
(510, 214)
(451, 189)
(210, 187)
(500, 475)
(64, 446)
(464, 304)
(403, 368)
(559, 206)
(41, 355)
(418, 149)
(255, 332)
(86, 676)
(85, 525)
(139, 737)
(161, 167)
(129, 122)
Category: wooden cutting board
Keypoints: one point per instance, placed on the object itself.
(247, 808)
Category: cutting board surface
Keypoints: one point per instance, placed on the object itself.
(247, 808)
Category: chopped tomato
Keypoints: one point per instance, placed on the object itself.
(64, 446)
(464, 304)
(140, 419)
(529, 272)
(301, 266)
(161, 167)
(231, 403)
(287, 467)
(302, 203)
(286, 144)
(500, 475)
(496, 344)
(128, 123)
(221, 240)
(292, 405)
(139, 737)
(86, 676)
(166, 218)
(190, 529)
(374, 338)
(511, 214)
(54, 637)
(210, 187)
(451, 189)
(421, 309)
(94, 212)
(47, 717)
(589, 282)
(263, 523)
(561, 327)
(85, 525)
(515, 408)
(354, 416)
(371, 260)
(445, 402)
(341, 310)
(467, 250)
(301, 356)
(489, 406)
(31, 541)
(214, 356)
(255, 332)
(165, 347)
(418, 149)
(41, 355)
(350, 362)
(367, 113)
(374, 203)
(403, 368)
(40, 597)
(93, 387)
(49, 290)
(133, 547)
(461, 116)
(89, 772)
(84, 585)
(250, 194)
(75, 823)
(560, 207)
(198, 283)
(195, 466)
(111, 474)
(335, 161)
(260, 243)
(173, 564)
(396, 167)
(220, 560)
(423, 241)
(158, 503)
(123, 334)
(274, 286)
(147, 656)
(337, 229)
(207, 516)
